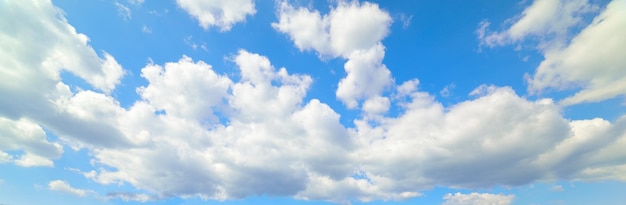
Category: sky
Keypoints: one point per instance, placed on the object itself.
(235, 102)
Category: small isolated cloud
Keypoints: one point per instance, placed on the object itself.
(123, 11)
(129, 196)
(445, 92)
(63, 186)
(406, 20)
(477, 199)
(220, 13)
(135, 2)
(146, 29)
(557, 188)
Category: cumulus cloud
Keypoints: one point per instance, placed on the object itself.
(223, 161)
(198, 133)
(477, 199)
(548, 20)
(63, 186)
(220, 13)
(583, 60)
(29, 137)
(589, 61)
(351, 30)
(31, 82)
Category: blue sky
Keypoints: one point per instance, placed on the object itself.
(312, 102)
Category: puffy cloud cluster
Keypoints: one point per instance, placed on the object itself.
(220, 13)
(351, 30)
(198, 133)
(477, 199)
(587, 60)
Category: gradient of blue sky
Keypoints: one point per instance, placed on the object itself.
(379, 102)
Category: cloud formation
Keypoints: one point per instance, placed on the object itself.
(351, 30)
(195, 132)
(477, 199)
(577, 55)
(220, 13)
(63, 186)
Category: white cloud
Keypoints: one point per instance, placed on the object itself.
(136, 2)
(128, 196)
(31, 85)
(146, 29)
(198, 133)
(445, 92)
(58, 48)
(584, 60)
(349, 27)
(406, 20)
(376, 105)
(171, 87)
(221, 13)
(351, 30)
(180, 150)
(472, 138)
(549, 20)
(123, 11)
(366, 76)
(30, 138)
(590, 61)
(63, 186)
(557, 188)
(477, 199)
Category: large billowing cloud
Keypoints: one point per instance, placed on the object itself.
(33, 54)
(267, 135)
(351, 30)
(220, 13)
(587, 61)
(198, 133)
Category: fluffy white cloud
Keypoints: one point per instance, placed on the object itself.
(36, 51)
(367, 76)
(198, 133)
(184, 89)
(221, 13)
(493, 139)
(590, 61)
(477, 199)
(350, 26)
(584, 60)
(24, 135)
(63, 186)
(59, 47)
(549, 20)
(351, 30)
(247, 155)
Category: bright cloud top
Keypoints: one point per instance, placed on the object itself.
(196, 132)
(220, 13)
